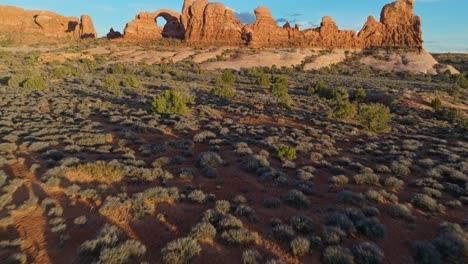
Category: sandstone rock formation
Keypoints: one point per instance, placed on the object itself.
(209, 23)
(113, 34)
(43, 25)
(145, 27)
(202, 22)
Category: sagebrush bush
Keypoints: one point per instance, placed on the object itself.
(251, 256)
(375, 117)
(296, 199)
(368, 253)
(203, 231)
(337, 255)
(300, 246)
(170, 102)
(239, 236)
(180, 251)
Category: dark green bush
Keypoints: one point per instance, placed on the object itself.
(35, 83)
(375, 117)
(360, 95)
(263, 80)
(279, 89)
(110, 83)
(170, 102)
(341, 106)
(223, 91)
(436, 104)
(286, 153)
(131, 82)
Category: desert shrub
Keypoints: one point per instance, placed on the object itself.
(341, 107)
(253, 162)
(286, 153)
(263, 80)
(124, 253)
(451, 242)
(432, 192)
(296, 199)
(426, 203)
(302, 224)
(375, 117)
(342, 221)
(110, 83)
(400, 211)
(102, 171)
(131, 82)
(251, 256)
(372, 228)
(180, 251)
(107, 246)
(368, 253)
(203, 231)
(209, 159)
(400, 169)
(223, 206)
(16, 80)
(279, 89)
(230, 221)
(426, 253)
(394, 183)
(271, 202)
(283, 232)
(242, 148)
(223, 91)
(333, 234)
(436, 104)
(337, 255)
(60, 72)
(80, 221)
(197, 196)
(117, 68)
(339, 180)
(367, 178)
(35, 83)
(300, 246)
(239, 236)
(350, 197)
(320, 88)
(228, 77)
(170, 102)
(360, 95)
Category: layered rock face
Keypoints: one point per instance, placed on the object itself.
(17, 21)
(211, 23)
(202, 22)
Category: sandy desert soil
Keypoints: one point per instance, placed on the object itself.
(266, 165)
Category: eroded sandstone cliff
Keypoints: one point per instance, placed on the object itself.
(18, 22)
(202, 22)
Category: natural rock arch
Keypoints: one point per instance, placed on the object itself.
(145, 26)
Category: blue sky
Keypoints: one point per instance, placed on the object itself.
(445, 22)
